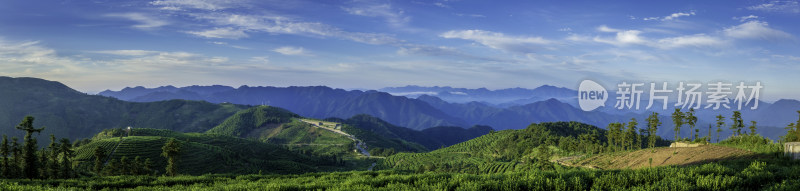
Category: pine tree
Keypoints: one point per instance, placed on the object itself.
(5, 152)
(170, 150)
(677, 119)
(652, 128)
(30, 164)
(44, 161)
(66, 154)
(738, 123)
(610, 135)
(632, 135)
(753, 128)
(52, 164)
(16, 156)
(691, 120)
(99, 158)
(720, 123)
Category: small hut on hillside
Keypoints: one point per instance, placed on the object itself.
(792, 149)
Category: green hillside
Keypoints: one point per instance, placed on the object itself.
(201, 153)
(279, 126)
(74, 115)
(379, 133)
(507, 150)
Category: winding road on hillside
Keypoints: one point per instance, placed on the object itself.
(360, 145)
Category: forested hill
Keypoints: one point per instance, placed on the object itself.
(369, 128)
(514, 150)
(72, 114)
(312, 101)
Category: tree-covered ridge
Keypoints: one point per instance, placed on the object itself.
(245, 121)
(509, 150)
(369, 129)
(71, 114)
(199, 153)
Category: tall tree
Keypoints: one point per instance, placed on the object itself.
(52, 153)
(652, 127)
(16, 156)
(5, 152)
(632, 135)
(30, 164)
(66, 154)
(708, 139)
(170, 150)
(753, 128)
(43, 161)
(738, 123)
(720, 123)
(99, 158)
(691, 120)
(677, 119)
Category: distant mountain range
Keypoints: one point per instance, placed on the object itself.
(500, 97)
(67, 113)
(314, 101)
(419, 107)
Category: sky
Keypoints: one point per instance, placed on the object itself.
(93, 45)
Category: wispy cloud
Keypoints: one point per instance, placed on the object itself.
(145, 21)
(697, 40)
(777, 6)
(470, 15)
(291, 51)
(500, 41)
(229, 45)
(226, 32)
(282, 25)
(196, 4)
(634, 37)
(383, 9)
(745, 18)
(670, 17)
(756, 30)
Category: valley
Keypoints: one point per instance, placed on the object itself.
(264, 146)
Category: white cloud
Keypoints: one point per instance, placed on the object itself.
(604, 28)
(745, 18)
(145, 21)
(676, 15)
(777, 6)
(384, 10)
(470, 15)
(281, 25)
(126, 52)
(623, 37)
(292, 51)
(756, 30)
(229, 45)
(196, 4)
(499, 41)
(227, 32)
(698, 40)
(670, 17)
(634, 37)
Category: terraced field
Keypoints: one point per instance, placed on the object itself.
(203, 153)
(665, 156)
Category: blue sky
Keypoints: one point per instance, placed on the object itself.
(98, 45)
